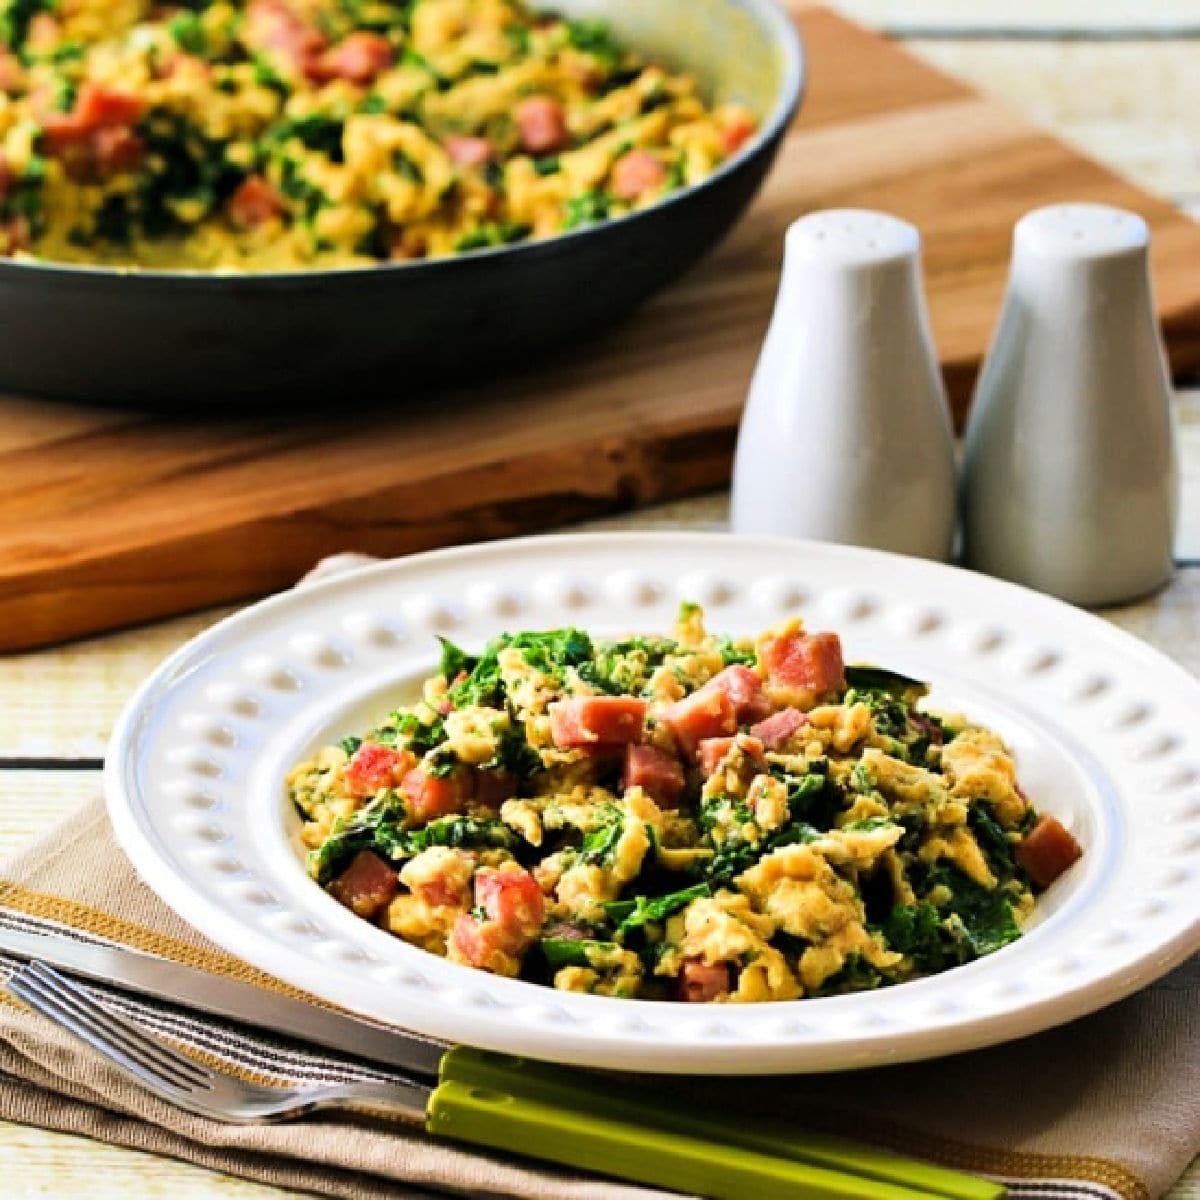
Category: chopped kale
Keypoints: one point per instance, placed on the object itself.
(595, 38)
(618, 667)
(518, 36)
(316, 131)
(993, 841)
(734, 856)
(677, 174)
(629, 915)
(15, 16)
(812, 799)
(378, 827)
(266, 76)
(551, 653)
(855, 975)
(410, 733)
(441, 763)
(573, 952)
(987, 918)
(492, 233)
(455, 661)
(892, 683)
(731, 655)
(64, 95)
(599, 846)
(972, 923)
(185, 168)
(889, 714)
(917, 931)
(187, 30)
(515, 755)
(588, 209)
(461, 833)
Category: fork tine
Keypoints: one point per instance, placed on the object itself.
(115, 1036)
(28, 989)
(126, 1032)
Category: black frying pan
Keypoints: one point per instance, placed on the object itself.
(187, 341)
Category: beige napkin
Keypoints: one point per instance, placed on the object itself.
(1108, 1106)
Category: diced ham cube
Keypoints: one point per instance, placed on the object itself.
(596, 722)
(273, 28)
(12, 74)
(703, 714)
(366, 885)
(373, 767)
(358, 59)
(480, 944)
(777, 728)
(700, 982)
(658, 774)
(492, 788)
(564, 931)
(542, 125)
(98, 107)
(712, 751)
(515, 909)
(469, 151)
(511, 897)
(95, 138)
(15, 235)
(1047, 850)
(737, 133)
(431, 796)
(637, 173)
(812, 661)
(745, 691)
(116, 149)
(254, 202)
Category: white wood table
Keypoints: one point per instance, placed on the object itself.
(1120, 81)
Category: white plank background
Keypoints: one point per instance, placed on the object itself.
(1118, 79)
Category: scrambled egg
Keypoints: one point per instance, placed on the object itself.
(243, 135)
(687, 817)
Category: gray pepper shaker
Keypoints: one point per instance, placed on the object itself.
(846, 435)
(1070, 479)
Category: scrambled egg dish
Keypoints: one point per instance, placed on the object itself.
(283, 134)
(686, 817)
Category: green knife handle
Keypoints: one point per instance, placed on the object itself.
(633, 1151)
(616, 1099)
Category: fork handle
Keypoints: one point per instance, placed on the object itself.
(634, 1100)
(502, 1121)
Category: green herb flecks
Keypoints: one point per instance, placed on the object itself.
(590, 208)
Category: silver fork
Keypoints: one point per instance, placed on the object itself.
(184, 1081)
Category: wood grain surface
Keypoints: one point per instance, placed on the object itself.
(109, 518)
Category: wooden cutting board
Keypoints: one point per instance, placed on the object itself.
(110, 518)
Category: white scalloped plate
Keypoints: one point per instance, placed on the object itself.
(1106, 730)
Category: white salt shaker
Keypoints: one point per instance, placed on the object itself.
(846, 435)
(1071, 480)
